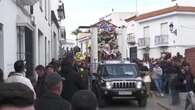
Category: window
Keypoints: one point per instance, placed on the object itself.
(49, 50)
(54, 45)
(40, 47)
(164, 28)
(20, 43)
(147, 31)
(1, 30)
(41, 5)
(45, 50)
(1, 46)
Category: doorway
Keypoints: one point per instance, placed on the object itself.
(133, 53)
(29, 51)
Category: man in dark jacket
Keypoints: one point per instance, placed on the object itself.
(40, 85)
(73, 82)
(52, 100)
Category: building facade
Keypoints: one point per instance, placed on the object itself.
(17, 30)
(116, 18)
(165, 30)
(26, 33)
(55, 29)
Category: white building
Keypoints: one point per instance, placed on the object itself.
(165, 30)
(116, 18)
(26, 33)
(84, 39)
(42, 38)
(17, 28)
(55, 29)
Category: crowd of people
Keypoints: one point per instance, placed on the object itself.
(61, 85)
(167, 75)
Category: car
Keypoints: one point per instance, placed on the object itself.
(117, 80)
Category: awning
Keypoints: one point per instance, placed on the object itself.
(25, 21)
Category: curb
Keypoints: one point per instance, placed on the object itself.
(163, 106)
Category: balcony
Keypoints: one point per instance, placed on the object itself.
(162, 40)
(144, 42)
(26, 2)
(131, 39)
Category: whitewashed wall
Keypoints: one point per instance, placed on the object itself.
(44, 25)
(55, 48)
(8, 19)
(183, 22)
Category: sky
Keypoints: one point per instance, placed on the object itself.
(87, 12)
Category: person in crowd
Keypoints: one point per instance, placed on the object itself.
(174, 82)
(73, 82)
(147, 80)
(39, 88)
(185, 79)
(11, 73)
(1, 76)
(50, 69)
(51, 99)
(84, 100)
(16, 96)
(19, 76)
(157, 77)
(55, 64)
(166, 66)
(84, 73)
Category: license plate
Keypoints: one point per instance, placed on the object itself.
(125, 93)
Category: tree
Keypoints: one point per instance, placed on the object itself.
(76, 32)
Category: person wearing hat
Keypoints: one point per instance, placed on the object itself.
(52, 100)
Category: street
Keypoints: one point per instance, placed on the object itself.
(152, 105)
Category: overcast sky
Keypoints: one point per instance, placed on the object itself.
(87, 12)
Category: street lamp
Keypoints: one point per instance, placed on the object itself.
(172, 29)
(61, 13)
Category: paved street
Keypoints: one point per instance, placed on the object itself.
(155, 103)
(152, 105)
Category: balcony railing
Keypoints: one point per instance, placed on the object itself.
(162, 40)
(144, 42)
(131, 40)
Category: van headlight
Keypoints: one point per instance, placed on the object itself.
(139, 85)
(109, 85)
